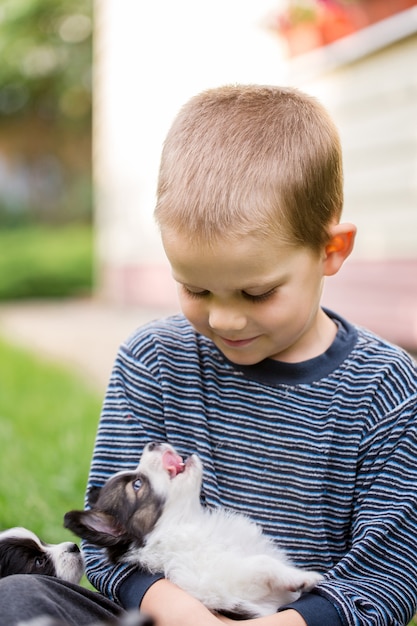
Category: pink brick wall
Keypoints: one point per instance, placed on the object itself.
(381, 295)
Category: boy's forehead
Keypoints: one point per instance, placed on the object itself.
(248, 262)
(250, 246)
(183, 251)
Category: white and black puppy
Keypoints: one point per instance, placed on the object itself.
(22, 552)
(153, 517)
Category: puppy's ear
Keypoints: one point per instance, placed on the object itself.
(95, 526)
(93, 495)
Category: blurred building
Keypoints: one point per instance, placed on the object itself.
(151, 57)
(368, 81)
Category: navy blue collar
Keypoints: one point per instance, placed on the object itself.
(274, 373)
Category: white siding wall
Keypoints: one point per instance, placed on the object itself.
(374, 102)
(373, 98)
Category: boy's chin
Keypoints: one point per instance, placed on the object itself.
(242, 357)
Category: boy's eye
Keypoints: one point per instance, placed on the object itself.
(261, 297)
(195, 294)
(248, 296)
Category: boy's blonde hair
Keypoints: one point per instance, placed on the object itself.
(250, 159)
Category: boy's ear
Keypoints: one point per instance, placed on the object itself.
(340, 245)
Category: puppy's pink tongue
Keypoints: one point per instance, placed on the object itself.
(173, 463)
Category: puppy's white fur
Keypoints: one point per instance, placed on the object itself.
(62, 560)
(219, 557)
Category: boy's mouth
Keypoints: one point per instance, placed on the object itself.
(237, 343)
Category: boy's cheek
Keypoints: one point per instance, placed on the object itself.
(192, 310)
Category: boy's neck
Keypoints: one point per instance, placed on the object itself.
(319, 339)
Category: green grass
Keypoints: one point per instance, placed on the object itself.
(45, 261)
(48, 420)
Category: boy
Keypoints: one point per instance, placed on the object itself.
(303, 421)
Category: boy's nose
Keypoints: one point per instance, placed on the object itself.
(224, 319)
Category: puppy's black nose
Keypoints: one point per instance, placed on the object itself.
(74, 548)
(153, 444)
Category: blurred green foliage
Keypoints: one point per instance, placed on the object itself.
(42, 261)
(45, 51)
(45, 111)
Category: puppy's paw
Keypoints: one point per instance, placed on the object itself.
(305, 581)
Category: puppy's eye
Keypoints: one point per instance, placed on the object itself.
(40, 561)
(137, 484)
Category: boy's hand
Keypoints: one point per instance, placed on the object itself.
(171, 606)
(285, 618)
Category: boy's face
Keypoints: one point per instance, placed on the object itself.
(255, 298)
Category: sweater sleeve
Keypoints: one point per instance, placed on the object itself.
(128, 421)
(315, 610)
(132, 590)
(374, 584)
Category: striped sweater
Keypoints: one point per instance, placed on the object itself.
(323, 454)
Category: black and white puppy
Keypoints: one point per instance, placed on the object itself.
(22, 552)
(153, 517)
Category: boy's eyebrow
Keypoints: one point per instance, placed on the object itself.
(178, 279)
(263, 286)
